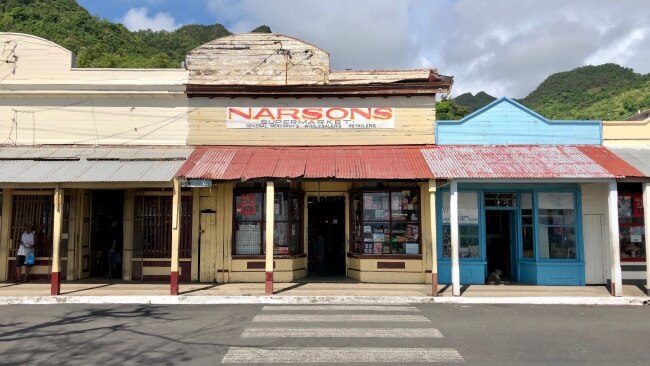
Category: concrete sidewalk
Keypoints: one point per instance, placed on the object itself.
(106, 292)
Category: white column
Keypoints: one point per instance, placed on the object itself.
(55, 278)
(176, 237)
(614, 243)
(646, 222)
(270, 202)
(434, 237)
(453, 220)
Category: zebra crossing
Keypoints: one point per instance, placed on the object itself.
(351, 324)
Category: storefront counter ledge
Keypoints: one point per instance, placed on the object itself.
(386, 268)
(250, 268)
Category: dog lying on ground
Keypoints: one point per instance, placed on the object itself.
(495, 278)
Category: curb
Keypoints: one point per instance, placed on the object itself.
(325, 300)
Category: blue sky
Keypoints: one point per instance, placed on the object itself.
(505, 47)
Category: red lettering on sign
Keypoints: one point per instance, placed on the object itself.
(236, 111)
(264, 113)
(289, 112)
(383, 113)
(363, 112)
(312, 113)
(330, 113)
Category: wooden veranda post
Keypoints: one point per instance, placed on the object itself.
(433, 227)
(176, 237)
(616, 285)
(268, 279)
(646, 223)
(55, 278)
(453, 220)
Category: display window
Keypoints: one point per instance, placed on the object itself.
(631, 226)
(386, 222)
(468, 228)
(557, 225)
(250, 223)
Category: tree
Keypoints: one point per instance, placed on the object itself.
(447, 109)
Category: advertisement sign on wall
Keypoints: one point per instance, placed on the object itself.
(310, 118)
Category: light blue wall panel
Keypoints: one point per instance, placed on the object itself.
(471, 273)
(506, 122)
(560, 274)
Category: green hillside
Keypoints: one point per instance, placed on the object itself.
(606, 92)
(99, 42)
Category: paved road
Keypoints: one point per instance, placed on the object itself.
(323, 334)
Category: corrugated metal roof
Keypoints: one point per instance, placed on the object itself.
(339, 162)
(90, 164)
(524, 162)
(638, 157)
(611, 161)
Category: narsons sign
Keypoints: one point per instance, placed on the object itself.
(313, 117)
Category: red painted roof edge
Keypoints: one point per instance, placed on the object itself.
(604, 157)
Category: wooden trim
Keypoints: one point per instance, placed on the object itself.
(386, 256)
(391, 265)
(256, 265)
(379, 89)
(260, 256)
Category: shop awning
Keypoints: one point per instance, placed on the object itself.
(638, 157)
(525, 162)
(334, 162)
(90, 164)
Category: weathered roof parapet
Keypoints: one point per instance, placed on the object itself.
(258, 59)
(277, 65)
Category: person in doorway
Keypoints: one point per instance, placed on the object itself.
(114, 249)
(25, 248)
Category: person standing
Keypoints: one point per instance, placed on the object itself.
(25, 248)
(114, 248)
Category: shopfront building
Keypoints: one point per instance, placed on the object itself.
(532, 198)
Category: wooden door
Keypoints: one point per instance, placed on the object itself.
(595, 249)
(208, 256)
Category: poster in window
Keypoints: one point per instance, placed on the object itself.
(624, 206)
(249, 204)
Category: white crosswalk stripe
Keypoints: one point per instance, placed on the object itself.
(382, 308)
(341, 332)
(337, 318)
(294, 355)
(309, 315)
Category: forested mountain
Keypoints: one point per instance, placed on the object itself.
(101, 43)
(591, 92)
(474, 102)
(607, 92)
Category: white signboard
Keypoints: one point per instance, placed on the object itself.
(310, 117)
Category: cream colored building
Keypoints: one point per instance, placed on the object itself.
(82, 147)
(630, 140)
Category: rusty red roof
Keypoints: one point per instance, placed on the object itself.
(525, 162)
(314, 162)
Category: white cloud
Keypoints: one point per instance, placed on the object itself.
(139, 19)
(504, 47)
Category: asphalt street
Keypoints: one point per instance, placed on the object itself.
(324, 334)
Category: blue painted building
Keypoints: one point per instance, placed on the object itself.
(506, 122)
(519, 178)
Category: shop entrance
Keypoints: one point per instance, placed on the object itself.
(106, 228)
(501, 240)
(326, 228)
